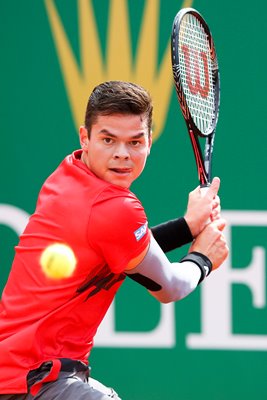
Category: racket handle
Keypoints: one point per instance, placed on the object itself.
(203, 191)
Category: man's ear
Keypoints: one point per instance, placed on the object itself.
(83, 133)
(149, 143)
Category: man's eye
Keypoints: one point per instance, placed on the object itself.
(135, 143)
(107, 140)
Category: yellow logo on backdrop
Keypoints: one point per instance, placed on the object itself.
(119, 65)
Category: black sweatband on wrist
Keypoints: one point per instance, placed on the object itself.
(172, 234)
(202, 261)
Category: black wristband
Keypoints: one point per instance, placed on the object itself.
(201, 261)
(172, 234)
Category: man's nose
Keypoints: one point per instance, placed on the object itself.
(121, 151)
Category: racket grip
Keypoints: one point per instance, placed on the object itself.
(203, 191)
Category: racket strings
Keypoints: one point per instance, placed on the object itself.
(197, 72)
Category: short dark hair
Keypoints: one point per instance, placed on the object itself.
(118, 97)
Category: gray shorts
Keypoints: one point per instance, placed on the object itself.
(69, 386)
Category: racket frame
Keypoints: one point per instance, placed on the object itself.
(203, 163)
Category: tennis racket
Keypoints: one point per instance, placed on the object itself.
(197, 83)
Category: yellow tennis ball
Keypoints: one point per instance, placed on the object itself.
(58, 261)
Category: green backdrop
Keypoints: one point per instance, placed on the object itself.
(212, 345)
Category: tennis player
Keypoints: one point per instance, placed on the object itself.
(47, 326)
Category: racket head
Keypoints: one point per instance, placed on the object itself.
(195, 71)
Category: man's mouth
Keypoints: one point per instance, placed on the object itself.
(121, 171)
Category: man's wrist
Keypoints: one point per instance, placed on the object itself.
(202, 261)
(172, 234)
(191, 226)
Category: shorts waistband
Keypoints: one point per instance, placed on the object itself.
(66, 365)
(49, 370)
(69, 365)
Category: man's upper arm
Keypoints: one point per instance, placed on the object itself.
(136, 260)
(118, 230)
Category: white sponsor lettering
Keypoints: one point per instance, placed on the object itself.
(140, 232)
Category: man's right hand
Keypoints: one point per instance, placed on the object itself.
(203, 206)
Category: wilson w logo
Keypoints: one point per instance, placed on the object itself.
(118, 63)
(195, 86)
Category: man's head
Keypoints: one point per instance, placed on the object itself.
(118, 97)
(116, 138)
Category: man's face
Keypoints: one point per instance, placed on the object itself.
(118, 147)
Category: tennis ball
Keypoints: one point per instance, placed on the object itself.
(58, 261)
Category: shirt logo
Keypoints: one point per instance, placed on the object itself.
(140, 232)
